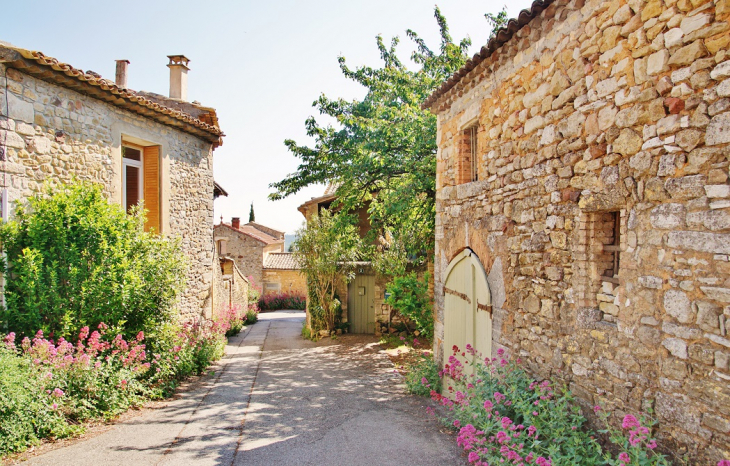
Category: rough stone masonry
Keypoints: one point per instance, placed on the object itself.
(601, 206)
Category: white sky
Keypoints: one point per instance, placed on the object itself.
(260, 64)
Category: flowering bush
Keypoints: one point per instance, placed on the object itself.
(273, 302)
(233, 318)
(47, 387)
(504, 416)
(422, 375)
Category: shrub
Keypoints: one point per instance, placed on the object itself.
(422, 375)
(232, 319)
(252, 317)
(75, 260)
(48, 387)
(409, 296)
(273, 302)
(504, 416)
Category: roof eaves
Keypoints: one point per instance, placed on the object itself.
(51, 70)
(502, 35)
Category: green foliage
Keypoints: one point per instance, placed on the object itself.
(497, 21)
(251, 317)
(505, 416)
(251, 215)
(273, 302)
(384, 144)
(75, 260)
(26, 414)
(422, 375)
(409, 296)
(326, 250)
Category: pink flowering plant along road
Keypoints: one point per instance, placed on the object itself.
(49, 388)
(503, 416)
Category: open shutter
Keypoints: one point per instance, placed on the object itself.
(151, 185)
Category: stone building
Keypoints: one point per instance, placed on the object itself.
(282, 274)
(363, 298)
(248, 245)
(583, 207)
(63, 124)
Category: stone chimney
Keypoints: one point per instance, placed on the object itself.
(178, 76)
(121, 77)
(236, 222)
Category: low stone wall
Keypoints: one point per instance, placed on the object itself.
(601, 210)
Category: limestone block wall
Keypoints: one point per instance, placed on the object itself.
(55, 134)
(597, 107)
(247, 252)
(230, 288)
(289, 281)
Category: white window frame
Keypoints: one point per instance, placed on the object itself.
(136, 164)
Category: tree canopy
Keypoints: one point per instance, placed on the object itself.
(381, 154)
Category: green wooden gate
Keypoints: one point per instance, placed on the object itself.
(361, 304)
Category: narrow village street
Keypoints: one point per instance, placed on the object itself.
(277, 399)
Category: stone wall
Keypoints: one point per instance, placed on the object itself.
(604, 122)
(230, 287)
(247, 252)
(55, 134)
(288, 281)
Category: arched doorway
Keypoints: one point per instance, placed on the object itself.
(467, 306)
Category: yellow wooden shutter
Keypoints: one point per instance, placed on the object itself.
(151, 187)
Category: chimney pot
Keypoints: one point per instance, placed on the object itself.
(236, 222)
(178, 76)
(121, 77)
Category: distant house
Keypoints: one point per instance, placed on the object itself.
(248, 245)
(363, 299)
(64, 124)
(282, 274)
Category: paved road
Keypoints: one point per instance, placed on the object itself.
(277, 399)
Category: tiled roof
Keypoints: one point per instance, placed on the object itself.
(254, 233)
(281, 261)
(500, 38)
(199, 121)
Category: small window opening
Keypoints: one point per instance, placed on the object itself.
(473, 153)
(612, 249)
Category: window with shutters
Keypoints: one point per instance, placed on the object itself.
(141, 181)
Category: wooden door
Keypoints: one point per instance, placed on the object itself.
(467, 306)
(361, 304)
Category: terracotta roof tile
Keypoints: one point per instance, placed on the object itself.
(500, 38)
(50, 69)
(281, 261)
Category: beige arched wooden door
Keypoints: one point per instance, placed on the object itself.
(467, 310)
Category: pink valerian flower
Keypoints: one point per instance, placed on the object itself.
(500, 352)
(723, 463)
(488, 405)
(424, 382)
(10, 341)
(58, 393)
(630, 422)
(506, 422)
(531, 430)
(623, 456)
(140, 336)
(457, 423)
(540, 461)
(652, 445)
(596, 409)
(498, 397)
(473, 457)
(54, 406)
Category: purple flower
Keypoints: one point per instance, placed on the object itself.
(623, 456)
